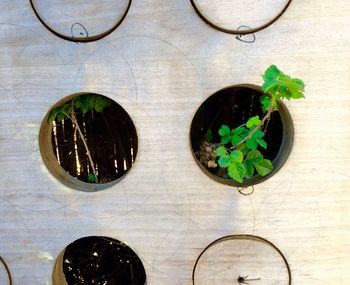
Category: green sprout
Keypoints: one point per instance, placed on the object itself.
(238, 150)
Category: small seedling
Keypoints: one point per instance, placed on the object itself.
(238, 150)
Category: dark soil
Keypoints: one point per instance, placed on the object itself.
(233, 106)
(102, 261)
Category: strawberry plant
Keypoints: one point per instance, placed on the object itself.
(238, 151)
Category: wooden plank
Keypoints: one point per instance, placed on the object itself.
(160, 64)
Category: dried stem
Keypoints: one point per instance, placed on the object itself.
(75, 122)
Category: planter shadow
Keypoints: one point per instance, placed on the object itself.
(232, 106)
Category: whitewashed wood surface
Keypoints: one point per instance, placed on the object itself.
(160, 64)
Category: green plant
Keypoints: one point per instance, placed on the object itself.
(69, 110)
(238, 149)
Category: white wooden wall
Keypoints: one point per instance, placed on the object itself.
(160, 64)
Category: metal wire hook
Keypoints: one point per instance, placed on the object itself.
(240, 190)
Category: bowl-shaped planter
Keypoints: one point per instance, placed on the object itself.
(88, 141)
(232, 106)
(98, 260)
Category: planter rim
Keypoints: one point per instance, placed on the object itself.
(281, 157)
(50, 160)
(236, 31)
(58, 276)
(86, 39)
(243, 237)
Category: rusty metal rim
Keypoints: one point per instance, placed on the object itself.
(243, 237)
(86, 39)
(239, 32)
(7, 270)
(50, 160)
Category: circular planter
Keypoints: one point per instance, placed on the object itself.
(241, 259)
(233, 106)
(109, 135)
(98, 260)
(204, 8)
(83, 21)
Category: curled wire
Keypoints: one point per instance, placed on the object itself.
(240, 190)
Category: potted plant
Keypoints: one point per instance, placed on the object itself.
(245, 151)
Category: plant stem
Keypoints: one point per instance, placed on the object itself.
(266, 117)
(75, 122)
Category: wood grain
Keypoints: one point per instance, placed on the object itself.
(160, 64)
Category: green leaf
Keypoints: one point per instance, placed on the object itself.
(238, 131)
(272, 72)
(224, 131)
(235, 139)
(224, 161)
(99, 108)
(91, 178)
(100, 104)
(243, 148)
(253, 121)
(254, 156)
(221, 151)
(270, 86)
(61, 116)
(299, 82)
(236, 156)
(236, 171)
(225, 139)
(280, 86)
(77, 103)
(262, 143)
(295, 91)
(265, 102)
(258, 134)
(251, 143)
(52, 116)
(264, 167)
(84, 107)
(249, 169)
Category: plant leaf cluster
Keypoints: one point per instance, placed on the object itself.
(83, 103)
(238, 150)
(240, 158)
